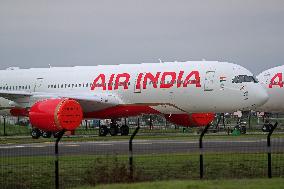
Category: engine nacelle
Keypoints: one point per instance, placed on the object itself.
(191, 120)
(56, 114)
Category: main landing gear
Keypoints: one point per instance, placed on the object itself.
(114, 129)
(267, 126)
(36, 133)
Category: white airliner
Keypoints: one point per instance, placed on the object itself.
(186, 93)
(272, 80)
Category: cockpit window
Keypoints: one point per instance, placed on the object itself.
(244, 79)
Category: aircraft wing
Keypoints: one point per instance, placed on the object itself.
(105, 99)
(100, 98)
(93, 102)
(13, 95)
(4, 108)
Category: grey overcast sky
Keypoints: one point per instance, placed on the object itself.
(36, 33)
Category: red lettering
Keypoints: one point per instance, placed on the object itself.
(170, 83)
(138, 82)
(179, 80)
(154, 79)
(103, 79)
(276, 81)
(124, 83)
(168, 80)
(110, 82)
(195, 81)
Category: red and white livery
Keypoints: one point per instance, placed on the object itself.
(187, 93)
(272, 80)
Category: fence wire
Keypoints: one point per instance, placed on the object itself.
(32, 165)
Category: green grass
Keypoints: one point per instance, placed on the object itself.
(14, 130)
(38, 172)
(21, 135)
(186, 136)
(26, 140)
(194, 184)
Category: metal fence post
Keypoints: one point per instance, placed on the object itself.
(201, 151)
(59, 136)
(269, 150)
(131, 150)
(151, 122)
(4, 124)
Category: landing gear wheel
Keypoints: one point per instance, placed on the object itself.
(103, 130)
(35, 133)
(124, 130)
(55, 134)
(113, 130)
(46, 134)
(243, 130)
(267, 127)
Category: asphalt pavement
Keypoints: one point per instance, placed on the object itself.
(141, 147)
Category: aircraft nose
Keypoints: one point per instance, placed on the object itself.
(261, 96)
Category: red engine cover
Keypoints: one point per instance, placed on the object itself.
(56, 114)
(202, 119)
(191, 120)
(19, 112)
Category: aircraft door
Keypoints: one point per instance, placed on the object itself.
(267, 78)
(137, 86)
(209, 81)
(38, 84)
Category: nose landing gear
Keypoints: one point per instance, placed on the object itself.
(267, 126)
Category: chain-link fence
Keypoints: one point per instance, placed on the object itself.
(91, 163)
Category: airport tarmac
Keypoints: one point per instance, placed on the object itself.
(140, 147)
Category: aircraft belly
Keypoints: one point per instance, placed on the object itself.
(168, 109)
(94, 106)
